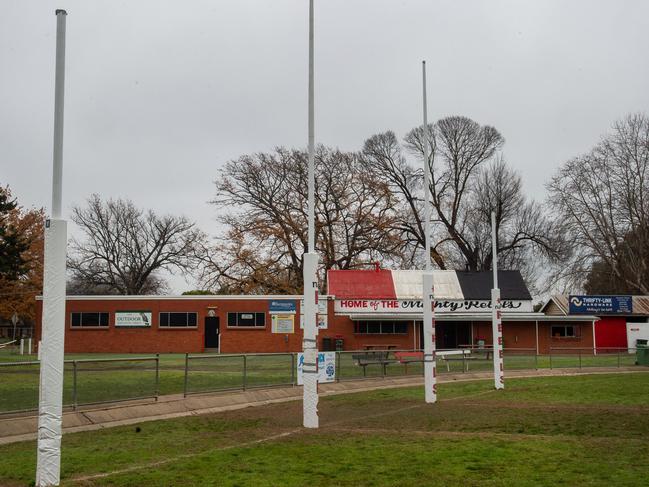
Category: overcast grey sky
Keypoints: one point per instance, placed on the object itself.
(160, 94)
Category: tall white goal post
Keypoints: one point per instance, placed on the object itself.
(50, 402)
(428, 285)
(496, 313)
(310, 269)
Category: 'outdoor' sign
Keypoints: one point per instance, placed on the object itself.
(599, 304)
(133, 318)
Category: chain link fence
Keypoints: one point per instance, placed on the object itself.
(85, 382)
(108, 380)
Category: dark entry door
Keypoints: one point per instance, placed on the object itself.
(453, 334)
(446, 335)
(211, 332)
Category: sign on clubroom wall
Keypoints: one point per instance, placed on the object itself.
(282, 323)
(322, 315)
(396, 306)
(600, 304)
(282, 306)
(326, 367)
(132, 318)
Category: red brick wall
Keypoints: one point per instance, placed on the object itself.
(191, 340)
(234, 340)
(343, 326)
(131, 340)
(523, 335)
(570, 345)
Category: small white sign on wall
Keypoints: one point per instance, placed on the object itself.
(322, 314)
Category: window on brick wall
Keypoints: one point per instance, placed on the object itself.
(246, 320)
(174, 319)
(80, 320)
(381, 327)
(565, 331)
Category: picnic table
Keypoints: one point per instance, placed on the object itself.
(380, 357)
(447, 356)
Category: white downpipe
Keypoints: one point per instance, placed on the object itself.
(310, 267)
(496, 314)
(48, 461)
(428, 287)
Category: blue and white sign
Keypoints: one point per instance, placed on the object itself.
(282, 306)
(578, 304)
(326, 367)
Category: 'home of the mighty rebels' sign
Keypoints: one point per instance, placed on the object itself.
(416, 306)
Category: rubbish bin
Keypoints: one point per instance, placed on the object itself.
(339, 344)
(327, 345)
(641, 352)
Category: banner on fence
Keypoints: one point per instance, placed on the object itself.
(133, 318)
(282, 323)
(326, 367)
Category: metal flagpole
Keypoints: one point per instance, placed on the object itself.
(430, 366)
(48, 463)
(496, 313)
(310, 267)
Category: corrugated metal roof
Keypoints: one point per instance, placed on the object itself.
(477, 285)
(641, 305)
(352, 284)
(447, 285)
(407, 284)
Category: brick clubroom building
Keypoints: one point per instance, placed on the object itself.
(363, 309)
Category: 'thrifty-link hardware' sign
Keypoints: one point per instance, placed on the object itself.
(600, 304)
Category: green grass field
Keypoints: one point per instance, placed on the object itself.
(127, 379)
(587, 430)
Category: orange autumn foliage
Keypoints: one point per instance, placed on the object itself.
(18, 296)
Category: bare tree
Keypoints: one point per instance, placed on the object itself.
(601, 201)
(264, 196)
(468, 181)
(125, 248)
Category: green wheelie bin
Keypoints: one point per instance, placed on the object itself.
(641, 352)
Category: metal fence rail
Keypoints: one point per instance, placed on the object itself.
(85, 382)
(582, 357)
(226, 372)
(108, 380)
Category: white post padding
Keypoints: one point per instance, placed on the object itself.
(496, 311)
(51, 350)
(497, 331)
(430, 365)
(309, 343)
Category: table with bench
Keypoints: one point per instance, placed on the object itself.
(380, 357)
